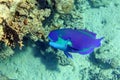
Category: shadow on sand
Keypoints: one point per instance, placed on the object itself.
(40, 50)
(47, 57)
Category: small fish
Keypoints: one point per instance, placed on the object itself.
(73, 40)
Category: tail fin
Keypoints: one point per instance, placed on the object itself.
(98, 42)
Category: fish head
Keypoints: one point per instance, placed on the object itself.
(60, 43)
(53, 36)
(57, 41)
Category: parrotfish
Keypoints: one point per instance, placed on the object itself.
(70, 41)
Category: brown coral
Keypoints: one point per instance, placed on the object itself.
(19, 19)
(26, 21)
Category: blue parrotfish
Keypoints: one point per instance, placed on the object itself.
(70, 40)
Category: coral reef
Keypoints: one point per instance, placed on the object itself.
(27, 18)
(22, 22)
(19, 19)
(66, 17)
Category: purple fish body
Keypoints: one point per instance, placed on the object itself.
(72, 40)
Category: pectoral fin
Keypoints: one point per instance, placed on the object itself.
(68, 54)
